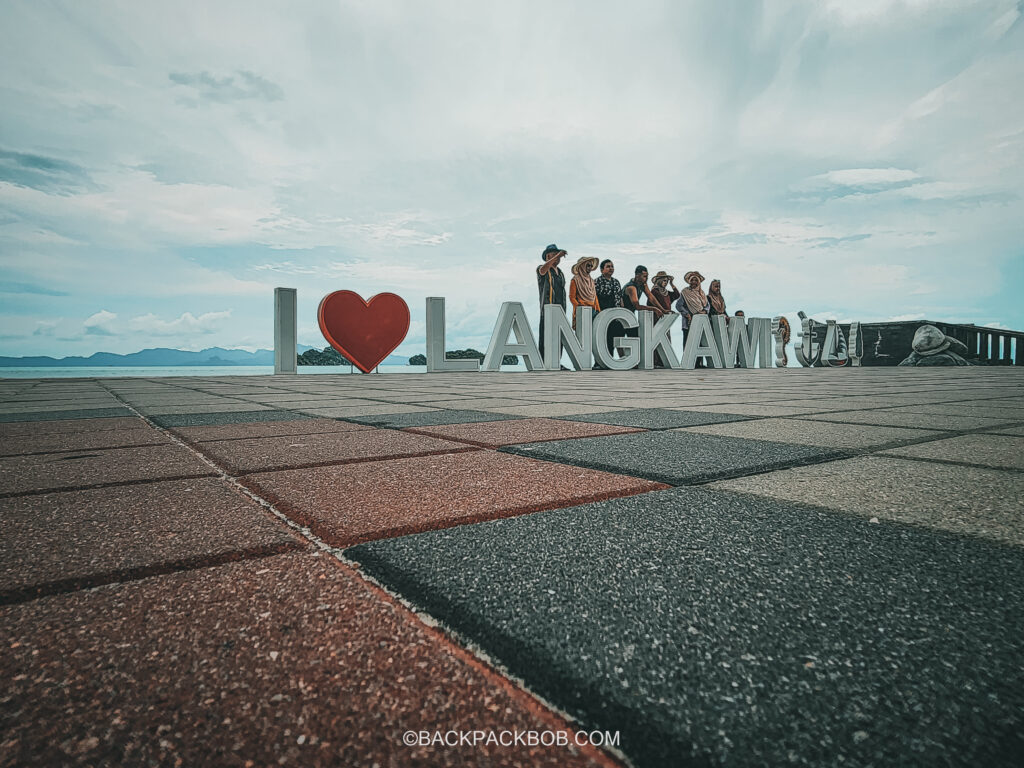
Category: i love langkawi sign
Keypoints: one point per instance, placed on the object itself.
(366, 332)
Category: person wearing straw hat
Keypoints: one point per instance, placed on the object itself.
(693, 301)
(663, 289)
(663, 296)
(550, 285)
(582, 292)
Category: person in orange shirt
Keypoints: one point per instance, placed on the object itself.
(582, 292)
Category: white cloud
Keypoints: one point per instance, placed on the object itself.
(859, 177)
(100, 323)
(185, 324)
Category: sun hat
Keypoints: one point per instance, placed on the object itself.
(551, 249)
(691, 273)
(585, 265)
(662, 274)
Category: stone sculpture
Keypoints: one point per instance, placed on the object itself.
(932, 347)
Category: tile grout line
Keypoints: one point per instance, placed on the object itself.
(466, 649)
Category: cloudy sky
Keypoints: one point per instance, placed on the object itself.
(163, 166)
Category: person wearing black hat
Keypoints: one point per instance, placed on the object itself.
(550, 285)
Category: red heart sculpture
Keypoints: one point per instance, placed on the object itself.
(365, 332)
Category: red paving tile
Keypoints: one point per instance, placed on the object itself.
(91, 469)
(57, 442)
(16, 428)
(352, 503)
(55, 542)
(286, 660)
(269, 453)
(265, 429)
(491, 434)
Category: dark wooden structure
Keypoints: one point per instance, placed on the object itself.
(889, 343)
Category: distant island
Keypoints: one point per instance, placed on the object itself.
(464, 354)
(164, 357)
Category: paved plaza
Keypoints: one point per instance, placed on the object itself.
(722, 567)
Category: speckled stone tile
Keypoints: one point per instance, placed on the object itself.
(286, 660)
(226, 407)
(712, 629)
(345, 412)
(674, 457)
(491, 434)
(56, 442)
(969, 409)
(552, 409)
(69, 413)
(968, 500)
(827, 434)
(359, 502)
(71, 404)
(752, 409)
(269, 453)
(30, 428)
(484, 403)
(893, 417)
(231, 417)
(656, 418)
(254, 429)
(427, 418)
(95, 468)
(56, 542)
(1008, 430)
(1001, 451)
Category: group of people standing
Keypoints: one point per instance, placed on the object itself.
(605, 292)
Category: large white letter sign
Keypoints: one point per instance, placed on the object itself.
(606, 356)
(741, 339)
(578, 345)
(780, 342)
(700, 342)
(512, 317)
(436, 361)
(833, 351)
(856, 344)
(807, 350)
(654, 337)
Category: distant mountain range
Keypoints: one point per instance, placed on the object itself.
(164, 357)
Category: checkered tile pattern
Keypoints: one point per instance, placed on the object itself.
(727, 567)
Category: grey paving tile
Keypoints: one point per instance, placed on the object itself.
(1003, 451)
(230, 417)
(1008, 430)
(714, 629)
(428, 418)
(752, 409)
(969, 409)
(83, 413)
(343, 412)
(970, 500)
(826, 434)
(552, 409)
(674, 457)
(893, 417)
(656, 418)
(484, 403)
(225, 407)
